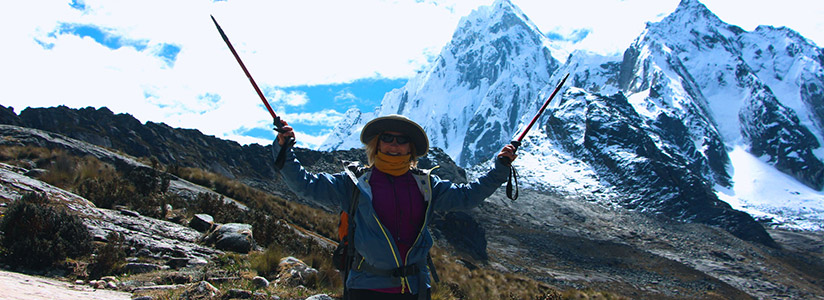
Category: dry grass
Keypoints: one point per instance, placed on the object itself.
(458, 282)
(63, 169)
(236, 271)
(266, 262)
(311, 219)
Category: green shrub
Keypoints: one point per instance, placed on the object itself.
(148, 181)
(107, 192)
(264, 228)
(139, 190)
(37, 236)
(217, 207)
(110, 257)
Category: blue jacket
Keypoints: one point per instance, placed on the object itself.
(372, 240)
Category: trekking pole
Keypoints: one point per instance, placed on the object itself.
(517, 142)
(278, 124)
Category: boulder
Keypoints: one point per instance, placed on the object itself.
(201, 290)
(202, 222)
(177, 262)
(260, 282)
(137, 268)
(131, 213)
(239, 294)
(36, 172)
(234, 237)
(294, 272)
(463, 232)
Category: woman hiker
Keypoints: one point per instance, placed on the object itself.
(395, 202)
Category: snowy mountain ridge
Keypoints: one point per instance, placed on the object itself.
(671, 126)
(481, 87)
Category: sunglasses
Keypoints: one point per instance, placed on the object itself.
(388, 138)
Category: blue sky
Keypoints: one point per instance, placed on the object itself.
(163, 61)
(364, 94)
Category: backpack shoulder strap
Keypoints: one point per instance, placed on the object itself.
(429, 263)
(350, 234)
(354, 170)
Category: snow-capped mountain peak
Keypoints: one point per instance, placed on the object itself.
(481, 86)
(652, 129)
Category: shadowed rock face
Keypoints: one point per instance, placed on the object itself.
(774, 131)
(462, 231)
(618, 143)
(185, 147)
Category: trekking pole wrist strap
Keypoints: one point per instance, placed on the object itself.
(512, 182)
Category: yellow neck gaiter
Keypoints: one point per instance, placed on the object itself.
(392, 165)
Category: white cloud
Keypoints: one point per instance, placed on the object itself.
(283, 43)
(615, 24)
(305, 140)
(327, 117)
(345, 96)
(292, 98)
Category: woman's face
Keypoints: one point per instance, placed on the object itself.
(393, 147)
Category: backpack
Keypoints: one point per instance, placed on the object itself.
(344, 254)
(340, 257)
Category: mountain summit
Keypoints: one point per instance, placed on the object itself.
(483, 84)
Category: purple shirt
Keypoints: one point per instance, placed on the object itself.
(400, 207)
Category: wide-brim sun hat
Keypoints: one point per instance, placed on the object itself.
(400, 124)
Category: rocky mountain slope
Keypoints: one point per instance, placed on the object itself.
(251, 164)
(156, 237)
(662, 179)
(575, 243)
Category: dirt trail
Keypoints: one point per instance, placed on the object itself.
(16, 286)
